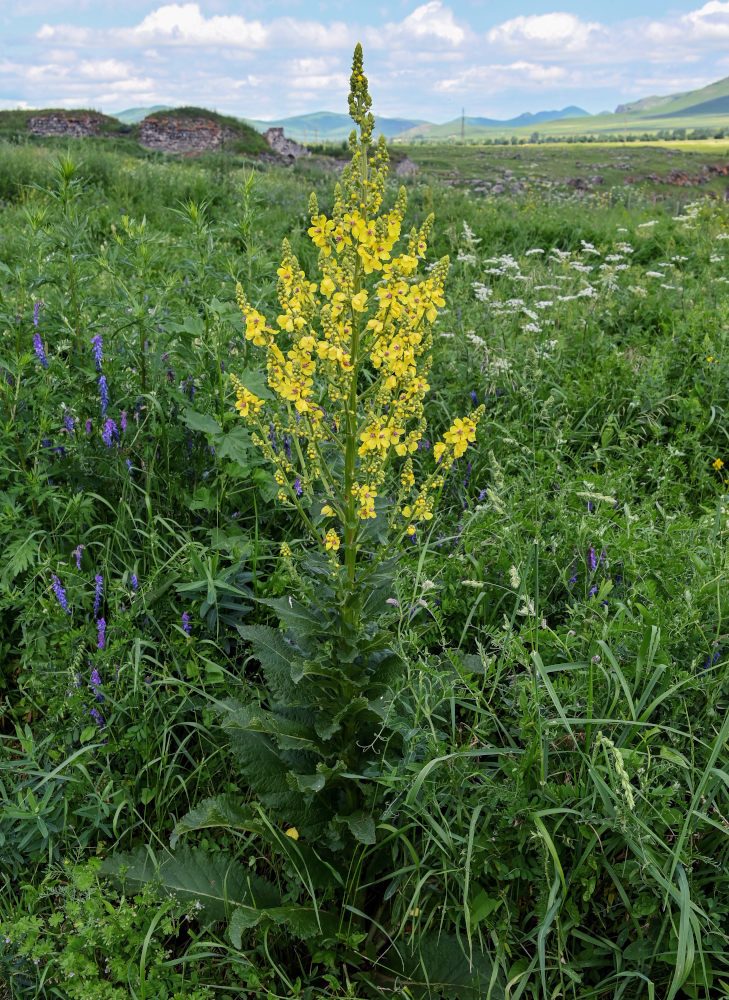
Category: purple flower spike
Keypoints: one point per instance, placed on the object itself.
(77, 552)
(474, 396)
(96, 683)
(591, 559)
(123, 420)
(39, 349)
(98, 592)
(88, 426)
(101, 634)
(98, 346)
(297, 487)
(36, 311)
(186, 628)
(104, 394)
(135, 582)
(109, 432)
(592, 591)
(603, 557)
(130, 467)
(97, 717)
(60, 593)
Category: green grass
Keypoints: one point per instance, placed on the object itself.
(551, 791)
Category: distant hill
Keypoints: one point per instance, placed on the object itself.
(688, 102)
(133, 115)
(472, 127)
(328, 126)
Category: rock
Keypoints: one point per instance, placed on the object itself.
(284, 147)
(60, 123)
(406, 167)
(182, 135)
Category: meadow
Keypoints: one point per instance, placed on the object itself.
(480, 750)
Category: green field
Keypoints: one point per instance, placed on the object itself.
(286, 711)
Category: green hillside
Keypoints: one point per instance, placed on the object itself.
(132, 116)
(327, 126)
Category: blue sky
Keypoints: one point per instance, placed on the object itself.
(424, 60)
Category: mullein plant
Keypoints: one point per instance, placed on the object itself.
(339, 415)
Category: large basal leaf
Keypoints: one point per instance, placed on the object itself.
(220, 883)
(296, 616)
(300, 921)
(277, 658)
(218, 811)
(438, 967)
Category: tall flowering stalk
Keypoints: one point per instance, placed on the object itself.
(347, 361)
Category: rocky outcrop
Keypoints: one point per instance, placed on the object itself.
(284, 147)
(406, 167)
(183, 135)
(60, 123)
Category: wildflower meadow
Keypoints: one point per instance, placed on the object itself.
(363, 600)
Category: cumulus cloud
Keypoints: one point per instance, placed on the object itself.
(493, 78)
(707, 24)
(558, 30)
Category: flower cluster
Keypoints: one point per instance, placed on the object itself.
(348, 357)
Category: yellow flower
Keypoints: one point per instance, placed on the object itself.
(359, 301)
(293, 833)
(717, 464)
(331, 540)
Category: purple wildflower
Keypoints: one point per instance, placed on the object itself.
(101, 634)
(68, 421)
(109, 432)
(134, 582)
(603, 557)
(96, 682)
(474, 396)
(60, 593)
(591, 559)
(104, 393)
(123, 420)
(88, 426)
(592, 591)
(590, 505)
(482, 496)
(36, 310)
(297, 487)
(573, 574)
(98, 592)
(186, 623)
(39, 349)
(130, 467)
(272, 436)
(287, 446)
(467, 477)
(77, 552)
(97, 717)
(98, 345)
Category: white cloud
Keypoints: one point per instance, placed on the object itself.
(707, 24)
(104, 69)
(494, 78)
(557, 30)
(433, 20)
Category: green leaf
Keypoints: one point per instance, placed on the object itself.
(218, 811)
(219, 882)
(362, 827)
(439, 967)
(301, 921)
(296, 616)
(255, 382)
(203, 422)
(309, 782)
(236, 445)
(277, 658)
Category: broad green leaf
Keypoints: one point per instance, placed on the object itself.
(203, 422)
(218, 811)
(362, 827)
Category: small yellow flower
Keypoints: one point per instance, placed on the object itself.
(293, 833)
(359, 301)
(331, 540)
(717, 464)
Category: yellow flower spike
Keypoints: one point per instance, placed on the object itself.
(331, 540)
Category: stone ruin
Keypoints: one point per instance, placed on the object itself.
(183, 135)
(60, 123)
(284, 147)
